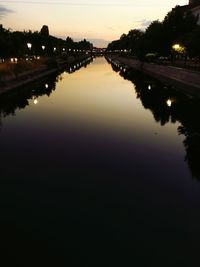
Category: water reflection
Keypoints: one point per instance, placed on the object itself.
(84, 63)
(13, 101)
(20, 98)
(87, 177)
(168, 105)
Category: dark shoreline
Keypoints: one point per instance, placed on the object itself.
(38, 74)
(20, 83)
(185, 80)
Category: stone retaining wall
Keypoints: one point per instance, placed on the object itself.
(184, 79)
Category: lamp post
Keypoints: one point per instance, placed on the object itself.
(43, 48)
(175, 49)
(180, 50)
(29, 45)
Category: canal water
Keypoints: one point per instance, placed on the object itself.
(100, 166)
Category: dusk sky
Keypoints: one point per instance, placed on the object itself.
(99, 21)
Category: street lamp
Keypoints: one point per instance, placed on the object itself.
(54, 49)
(180, 50)
(176, 47)
(29, 45)
(43, 47)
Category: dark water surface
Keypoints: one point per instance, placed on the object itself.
(100, 168)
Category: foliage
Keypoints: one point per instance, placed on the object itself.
(14, 43)
(150, 57)
(179, 26)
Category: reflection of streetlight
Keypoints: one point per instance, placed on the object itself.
(169, 102)
(35, 101)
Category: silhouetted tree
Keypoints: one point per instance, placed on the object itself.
(179, 25)
(45, 31)
(14, 44)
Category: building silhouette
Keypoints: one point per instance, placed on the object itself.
(194, 8)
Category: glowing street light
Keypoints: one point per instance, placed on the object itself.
(54, 49)
(176, 46)
(43, 47)
(29, 45)
(179, 48)
(14, 60)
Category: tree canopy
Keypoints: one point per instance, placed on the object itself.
(14, 43)
(178, 26)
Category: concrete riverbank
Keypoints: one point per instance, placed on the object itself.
(28, 77)
(183, 79)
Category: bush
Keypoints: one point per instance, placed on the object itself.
(151, 57)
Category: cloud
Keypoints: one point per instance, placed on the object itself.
(98, 42)
(4, 11)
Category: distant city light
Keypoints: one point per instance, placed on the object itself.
(43, 47)
(149, 87)
(46, 86)
(54, 49)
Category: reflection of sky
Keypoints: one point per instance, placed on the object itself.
(103, 102)
(85, 170)
(85, 18)
(94, 119)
